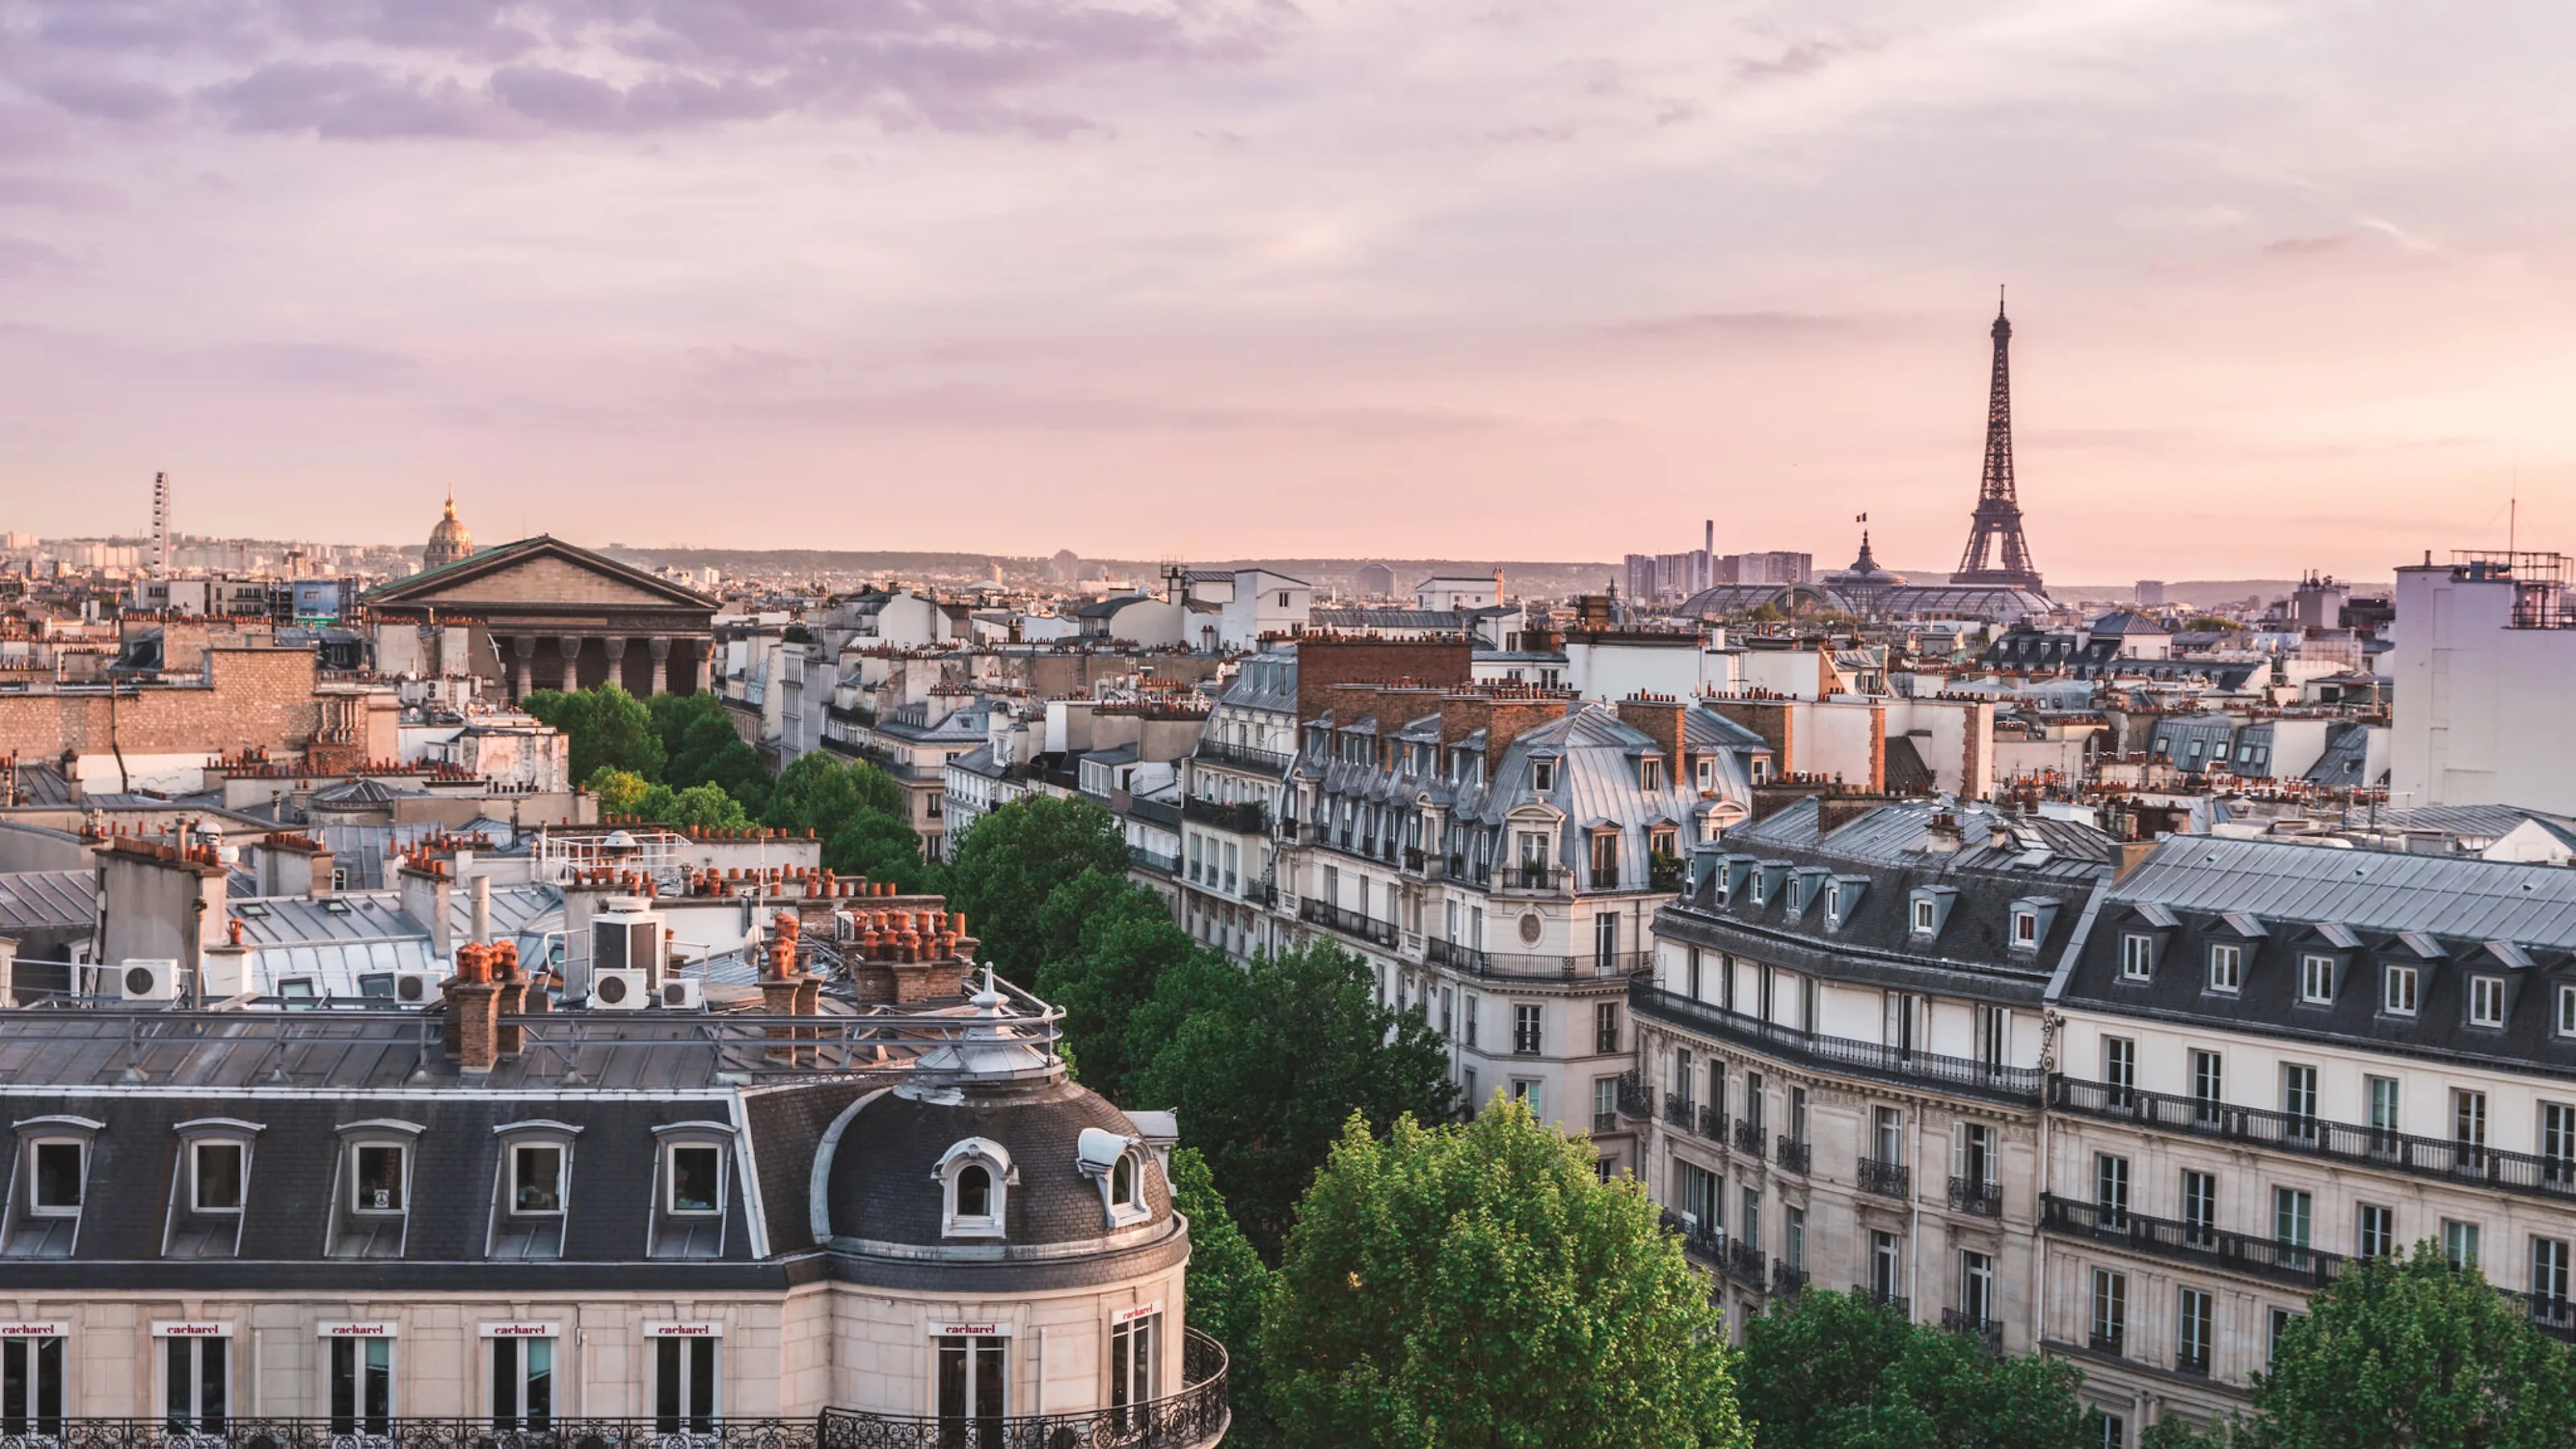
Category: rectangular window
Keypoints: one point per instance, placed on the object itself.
(2558, 1143)
(1977, 1288)
(1525, 1033)
(1605, 941)
(2549, 1265)
(1923, 918)
(379, 1182)
(2226, 968)
(1994, 1035)
(2199, 1209)
(2137, 957)
(2316, 980)
(2397, 991)
(1887, 1135)
(2469, 1118)
(2299, 1102)
(57, 1170)
(2567, 1011)
(2486, 1001)
(31, 1387)
(2193, 1319)
(2460, 1243)
(2208, 1086)
(1467, 1020)
(2106, 1430)
(523, 1383)
(362, 1385)
(536, 1179)
(684, 1385)
(2110, 1190)
(2025, 928)
(2375, 1236)
(1605, 1028)
(697, 1180)
(1886, 1267)
(2278, 1322)
(2119, 1066)
(2110, 1309)
(1702, 1196)
(1530, 1094)
(215, 1176)
(2293, 1221)
(1691, 973)
(1749, 1227)
(1133, 1365)
(1605, 1104)
(1754, 1096)
(196, 1381)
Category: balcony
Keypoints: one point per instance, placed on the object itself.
(1526, 966)
(1679, 1110)
(1792, 1155)
(1887, 1179)
(1633, 1100)
(1161, 812)
(1604, 1123)
(1242, 817)
(2301, 1267)
(1242, 757)
(1749, 1137)
(1787, 1282)
(1977, 1197)
(1531, 880)
(1415, 863)
(1348, 922)
(2552, 1315)
(1904, 1307)
(1698, 1239)
(225, 1432)
(1150, 860)
(1897, 1065)
(2429, 1157)
(1744, 1264)
(1262, 893)
(1988, 1332)
(1712, 1123)
(2108, 1340)
(1193, 1418)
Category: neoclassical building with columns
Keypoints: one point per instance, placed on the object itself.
(545, 614)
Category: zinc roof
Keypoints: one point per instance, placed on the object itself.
(2533, 905)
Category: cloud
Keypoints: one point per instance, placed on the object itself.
(1743, 324)
(2308, 246)
(60, 195)
(20, 257)
(373, 69)
(325, 364)
(1804, 58)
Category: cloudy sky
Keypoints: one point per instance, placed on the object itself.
(1526, 278)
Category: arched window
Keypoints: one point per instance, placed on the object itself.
(975, 1178)
(1122, 1181)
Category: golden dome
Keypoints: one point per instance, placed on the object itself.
(449, 541)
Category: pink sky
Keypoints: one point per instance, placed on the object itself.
(2291, 283)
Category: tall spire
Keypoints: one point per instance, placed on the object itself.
(1996, 552)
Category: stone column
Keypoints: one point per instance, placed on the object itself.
(570, 645)
(615, 644)
(661, 648)
(525, 646)
(693, 669)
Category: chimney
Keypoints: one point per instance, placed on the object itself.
(508, 1037)
(1941, 836)
(1660, 717)
(157, 901)
(1833, 812)
(481, 887)
(473, 1011)
(2133, 853)
(426, 893)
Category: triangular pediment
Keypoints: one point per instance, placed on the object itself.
(539, 570)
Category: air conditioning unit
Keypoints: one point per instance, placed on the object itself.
(684, 993)
(415, 988)
(148, 980)
(626, 940)
(619, 990)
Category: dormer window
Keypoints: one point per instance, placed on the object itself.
(1650, 773)
(1761, 889)
(1542, 776)
(2486, 1001)
(217, 1176)
(2025, 928)
(372, 1211)
(696, 1180)
(1117, 1163)
(536, 1178)
(1761, 769)
(2226, 968)
(2316, 980)
(1833, 902)
(381, 1181)
(975, 1178)
(1923, 915)
(692, 1180)
(57, 1175)
(2137, 956)
(1706, 773)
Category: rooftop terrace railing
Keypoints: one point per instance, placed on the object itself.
(1901, 1064)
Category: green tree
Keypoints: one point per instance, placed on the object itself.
(1478, 1285)
(703, 807)
(880, 847)
(620, 792)
(1014, 858)
(1107, 943)
(604, 726)
(1836, 1371)
(1264, 1063)
(2412, 1352)
(702, 747)
(1229, 1287)
(818, 792)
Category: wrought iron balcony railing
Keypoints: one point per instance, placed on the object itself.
(1964, 1075)
(1241, 757)
(1633, 1101)
(1194, 1417)
(2293, 1263)
(1787, 1282)
(1867, 1293)
(1744, 1263)
(1749, 1137)
(1977, 1196)
(1712, 1122)
(1243, 818)
(1680, 1111)
(1988, 1332)
(2429, 1157)
(1347, 921)
(1699, 1240)
(1887, 1179)
(361, 1431)
(1791, 1154)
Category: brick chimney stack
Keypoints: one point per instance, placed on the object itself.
(473, 1011)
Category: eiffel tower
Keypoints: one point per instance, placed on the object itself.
(1996, 553)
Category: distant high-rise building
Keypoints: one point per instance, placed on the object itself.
(2151, 593)
(1375, 581)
